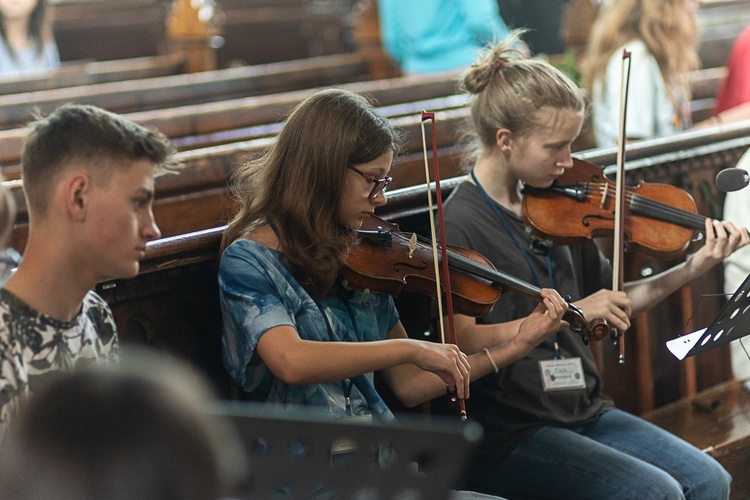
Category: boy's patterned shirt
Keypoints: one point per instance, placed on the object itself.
(34, 346)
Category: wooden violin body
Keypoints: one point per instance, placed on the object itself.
(388, 261)
(660, 220)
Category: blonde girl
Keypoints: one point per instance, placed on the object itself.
(662, 37)
(549, 430)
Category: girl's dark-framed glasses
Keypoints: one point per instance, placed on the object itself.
(381, 185)
(9, 260)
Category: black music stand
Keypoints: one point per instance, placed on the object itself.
(291, 455)
(732, 323)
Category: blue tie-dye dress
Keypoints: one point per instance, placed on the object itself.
(258, 293)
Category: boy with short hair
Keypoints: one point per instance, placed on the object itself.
(89, 183)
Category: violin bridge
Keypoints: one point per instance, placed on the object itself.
(412, 244)
(605, 191)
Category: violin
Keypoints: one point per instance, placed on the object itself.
(660, 220)
(388, 261)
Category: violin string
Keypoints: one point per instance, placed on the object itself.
(478, 269)
(672, 214)
(668, 213)
(675, 212)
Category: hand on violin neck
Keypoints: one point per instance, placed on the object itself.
(722, 239)
(613, 306)
(545, 320)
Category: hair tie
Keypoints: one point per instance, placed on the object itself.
(498, 64)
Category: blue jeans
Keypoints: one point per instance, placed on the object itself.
(617, 456)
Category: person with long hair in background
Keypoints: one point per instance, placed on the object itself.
(662, 37)
(26, 41)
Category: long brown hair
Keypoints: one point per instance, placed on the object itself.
(507, 91)
(39, 27)
(298, 182)
(666, 27)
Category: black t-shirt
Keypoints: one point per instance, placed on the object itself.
(512, 405)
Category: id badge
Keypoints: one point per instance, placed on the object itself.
(562, 374)
(345, 445)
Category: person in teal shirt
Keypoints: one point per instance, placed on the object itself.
(432, 36)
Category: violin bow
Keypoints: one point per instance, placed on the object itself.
(619, 243)
(443, 250)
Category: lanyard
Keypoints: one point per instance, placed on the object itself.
(346, 385)
(496, 210)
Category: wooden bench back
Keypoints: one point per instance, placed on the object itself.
(720, 22)
(262, 31)
(253, 31)
(196, 88)
(103, 31)
(191, 125)
(80, 73)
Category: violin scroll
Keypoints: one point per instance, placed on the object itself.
(597, 329)
(600, 328)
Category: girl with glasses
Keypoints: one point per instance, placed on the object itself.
(292, 334)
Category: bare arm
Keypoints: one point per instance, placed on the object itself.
(722, 238)
(510, 341)
(737, 113)
(416, 371)
(297, 361)
(506, 343)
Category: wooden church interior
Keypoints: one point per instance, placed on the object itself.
(219, 87)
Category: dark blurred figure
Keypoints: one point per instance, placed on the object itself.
(541, 17)
(138, 432)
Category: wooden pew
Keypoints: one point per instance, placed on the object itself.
(202, 183)
(263, 31)
(720, 22)
(94, 72)
(172, 305)
(200, 187)
(254, 31)
(175, 90)
(234, 120)
(86, 30)
(705, 85)
(203, 179)
(225, 120)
